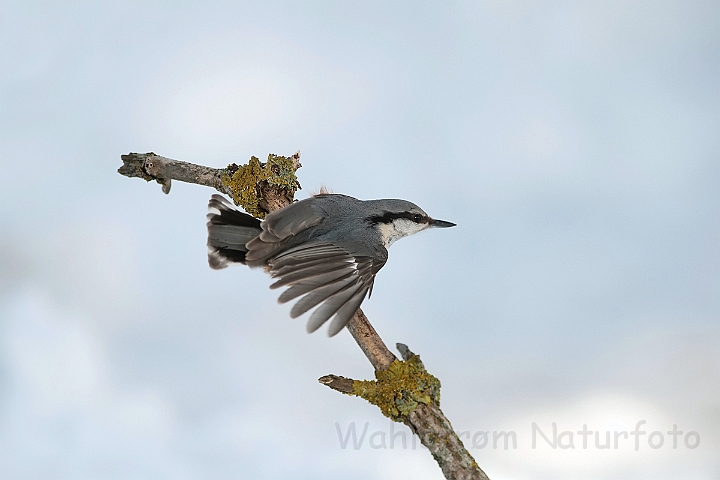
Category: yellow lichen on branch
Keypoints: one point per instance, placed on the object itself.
(399, 389)
(247, 181)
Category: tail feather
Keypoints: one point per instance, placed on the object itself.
(228, 231)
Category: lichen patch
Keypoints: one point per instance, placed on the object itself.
(398, 390)
(246, 181)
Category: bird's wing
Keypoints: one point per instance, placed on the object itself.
(279, 228)
(327, 275)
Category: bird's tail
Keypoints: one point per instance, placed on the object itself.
(228, 231)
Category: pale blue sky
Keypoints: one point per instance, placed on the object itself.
(574, 144)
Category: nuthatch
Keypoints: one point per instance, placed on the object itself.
(328, 248)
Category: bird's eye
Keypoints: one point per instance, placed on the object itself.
(417, 218)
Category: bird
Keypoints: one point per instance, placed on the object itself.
(326, 249)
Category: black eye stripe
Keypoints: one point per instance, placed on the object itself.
(388, 217)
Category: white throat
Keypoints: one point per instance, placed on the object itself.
(399, 228)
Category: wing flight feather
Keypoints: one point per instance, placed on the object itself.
(323, 274)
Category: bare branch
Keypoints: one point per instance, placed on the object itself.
(437, 434)
(425, 419)
(404, 351)
(149, 166)
(337, 383)
(370, 342)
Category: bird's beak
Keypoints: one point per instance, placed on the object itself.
(440, 223)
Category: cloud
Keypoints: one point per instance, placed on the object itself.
(60, 401)
(601, 414)
(248, 87)
(89, 265)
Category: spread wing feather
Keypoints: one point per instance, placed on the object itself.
(323, 274)
(309, 252)
(345, 313)
(281, 268)
(321, 294)
(323, 313)
(309, 285)
(329, 271)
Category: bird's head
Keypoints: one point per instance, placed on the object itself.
(396, 219)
